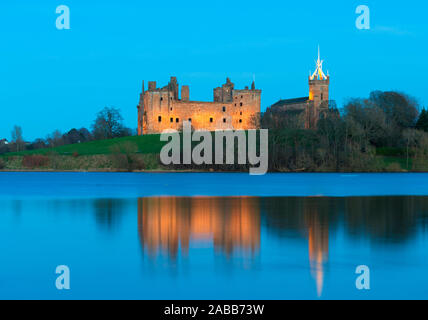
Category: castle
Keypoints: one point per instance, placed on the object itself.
(162, 108)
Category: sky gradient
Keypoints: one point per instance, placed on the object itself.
(58, 79)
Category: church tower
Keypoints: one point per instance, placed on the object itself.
(318, 90)
(318, 84)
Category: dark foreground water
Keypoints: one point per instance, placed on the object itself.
(213, 236)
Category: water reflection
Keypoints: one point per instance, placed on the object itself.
(168, 224)
(317, 227)
(217, 247)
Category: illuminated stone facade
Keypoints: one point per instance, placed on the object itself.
(162, 108)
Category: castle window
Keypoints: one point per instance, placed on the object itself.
(176, 119)
(160, 119)
(224, 109)
(171, 120)
(224, 119)
(241, 104)
(242, 97)
(240, 113)
(190, 119)
(211, 119)
(161, 98)
(240, 120)
(235, 104)
(170, 108)
(321, 96)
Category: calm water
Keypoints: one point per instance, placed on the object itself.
(213, 236)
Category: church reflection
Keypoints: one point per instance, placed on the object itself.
(233, 225)
(317, 230)
(169, 224)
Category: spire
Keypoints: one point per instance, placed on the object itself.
(318, 74)
(319, 53)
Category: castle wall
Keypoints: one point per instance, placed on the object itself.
(162, 111)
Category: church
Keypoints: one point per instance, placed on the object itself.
(311, 108)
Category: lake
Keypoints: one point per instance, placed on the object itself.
(213, 235)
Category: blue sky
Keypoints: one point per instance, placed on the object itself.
(58, 79)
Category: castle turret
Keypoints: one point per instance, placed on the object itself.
(224, 93)
(140, 108)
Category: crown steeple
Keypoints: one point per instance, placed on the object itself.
(318, 74)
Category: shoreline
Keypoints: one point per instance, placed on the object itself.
(201, 171)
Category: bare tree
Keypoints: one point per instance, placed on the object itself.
(108, 124)
(55, 139)
(17, 139)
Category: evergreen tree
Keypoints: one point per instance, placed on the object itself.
(422, 123)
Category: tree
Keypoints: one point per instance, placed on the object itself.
(108, 124)
(38, 144)
(410, 137)
(422, 123)
(85, 135)
(55, 139)
(77, 136)
(17, 139)
(398, 107)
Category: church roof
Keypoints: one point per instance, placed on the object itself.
(285, 102)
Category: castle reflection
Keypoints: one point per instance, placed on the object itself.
(168, 224)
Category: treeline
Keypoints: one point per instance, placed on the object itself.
(108, 124)
(384, 124)
(388, 131)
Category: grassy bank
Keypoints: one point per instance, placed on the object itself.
(145, 144)
(142, 153)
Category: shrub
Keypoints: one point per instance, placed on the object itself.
(151, 161)
(35, 161)
(2, 164)
(123, 157)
